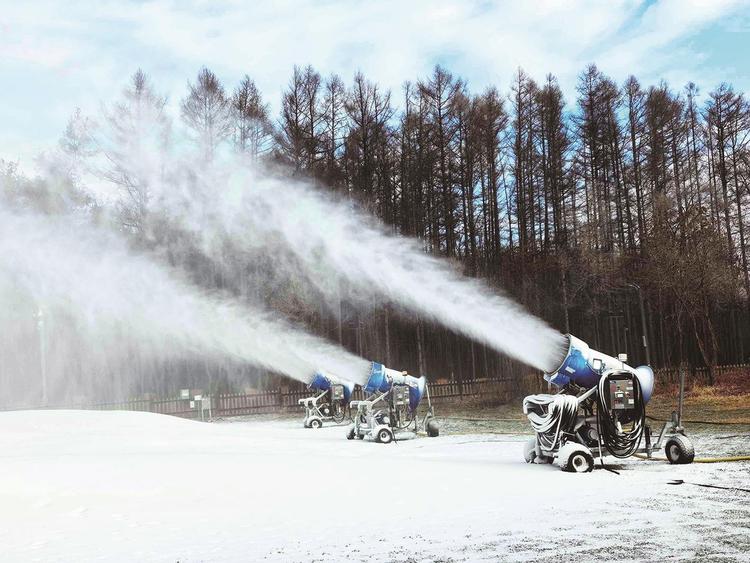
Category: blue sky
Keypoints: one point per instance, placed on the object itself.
(56, 56)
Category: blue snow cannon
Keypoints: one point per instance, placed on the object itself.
(584, 367)
(323, 382)
(382, 380)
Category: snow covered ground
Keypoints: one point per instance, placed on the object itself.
(124, 486)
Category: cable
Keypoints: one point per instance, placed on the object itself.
(706, 485)
(619, 442)
(700, 459)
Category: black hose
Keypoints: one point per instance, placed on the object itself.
(619, 442)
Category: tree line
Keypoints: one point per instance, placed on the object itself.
(578, 211)
(620, 216)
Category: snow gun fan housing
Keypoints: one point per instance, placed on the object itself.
(390, 409)
(326, 382)
(330, 402)
(584, 367)
(600, 410)
(382, 379)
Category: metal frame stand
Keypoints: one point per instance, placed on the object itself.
(314, 415)
(672, 427)
(373, 419)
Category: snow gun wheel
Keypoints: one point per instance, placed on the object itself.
(382, 418)
(575, 458)
(316, 423)
(350, 434)
(385, 436)
(432, 427)
(529, 450)
(679, 450)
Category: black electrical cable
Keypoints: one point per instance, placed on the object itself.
(707, 486)
(619, 442)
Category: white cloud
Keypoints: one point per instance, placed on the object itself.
(82, 52)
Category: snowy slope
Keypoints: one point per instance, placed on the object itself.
(123, 486)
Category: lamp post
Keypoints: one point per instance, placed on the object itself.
(42, 353)
(643, 322)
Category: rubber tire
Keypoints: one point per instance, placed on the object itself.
(316, 423)
(433, 428)
(529, 451)
(350, 434)
(385, 436)
(576, 459)
(679, 450)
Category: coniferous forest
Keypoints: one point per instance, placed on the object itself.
(621, 211)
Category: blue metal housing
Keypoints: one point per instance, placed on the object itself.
(416, 392)
(585, 366)
(380, 381)
(321, 382)
(575, 368)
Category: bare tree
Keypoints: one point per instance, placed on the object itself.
(207, 112)
(253, 131)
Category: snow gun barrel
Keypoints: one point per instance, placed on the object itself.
(584, 366)
(382, 379)
(322, 381)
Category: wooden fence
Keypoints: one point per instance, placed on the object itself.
(285, 400)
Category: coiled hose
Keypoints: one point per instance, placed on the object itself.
(550, 416)
(620, 443)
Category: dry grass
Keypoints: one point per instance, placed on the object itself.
(728, 400)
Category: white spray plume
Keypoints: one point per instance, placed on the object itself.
(342, 252)
(339, 247)
(118, 302)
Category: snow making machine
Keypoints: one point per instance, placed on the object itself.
(598, 411)
(389, 412)
(330, 403)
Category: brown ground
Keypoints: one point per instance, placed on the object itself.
(727, 401)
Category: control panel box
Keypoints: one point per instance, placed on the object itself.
(337, 392)
(400, 395)
(621, 394)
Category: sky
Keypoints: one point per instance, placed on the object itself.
(59, 56)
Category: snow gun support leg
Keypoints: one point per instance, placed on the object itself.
(599, 410)
(390, 410)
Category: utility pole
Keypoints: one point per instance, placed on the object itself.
(42, 354)
(643, 322)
